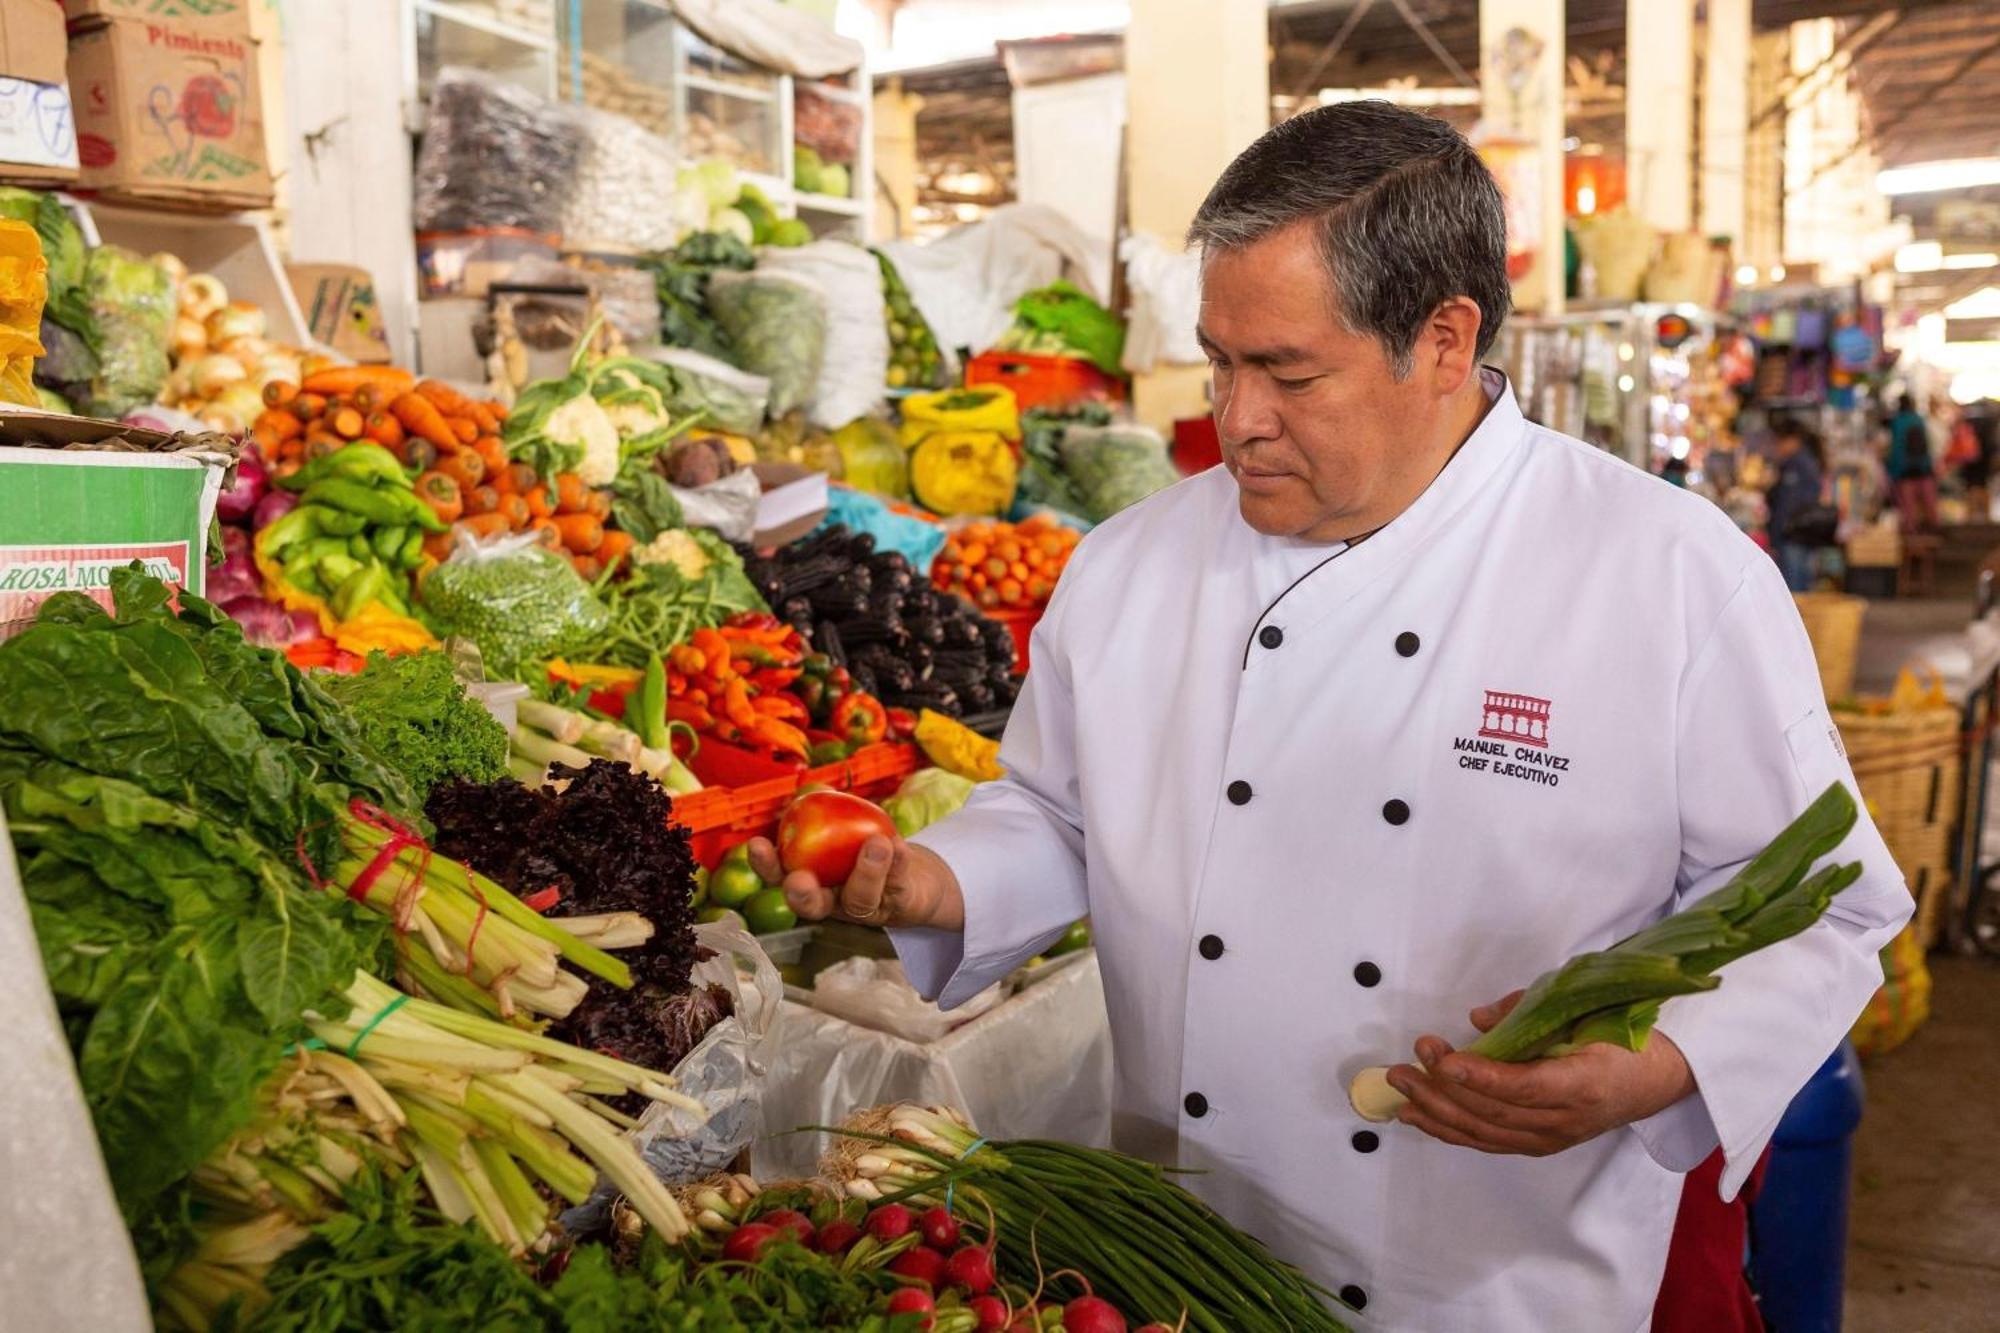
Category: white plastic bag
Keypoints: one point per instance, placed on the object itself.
(966, 281)
(874, 993)
(734, 400)
(729, 506)
(725, 1073)
(856, 363)
(623, 194)
(1166, 302)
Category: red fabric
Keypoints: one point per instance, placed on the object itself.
(1704, 1289)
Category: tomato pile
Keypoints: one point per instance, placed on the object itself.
(1007, 566)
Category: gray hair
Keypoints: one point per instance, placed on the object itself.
(1408, 216)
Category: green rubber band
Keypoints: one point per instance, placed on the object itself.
(952, 1185)
(309, 1044)
(354, 1047)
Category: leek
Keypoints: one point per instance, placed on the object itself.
(1614, 995)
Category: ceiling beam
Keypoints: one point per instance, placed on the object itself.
(1852, 46)
(1880, 131)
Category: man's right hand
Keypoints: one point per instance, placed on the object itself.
(894, 884)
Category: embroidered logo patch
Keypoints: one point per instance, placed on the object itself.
(1512, 741)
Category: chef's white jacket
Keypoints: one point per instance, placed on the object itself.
(1321, 800)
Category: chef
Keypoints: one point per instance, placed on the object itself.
(1343, 742)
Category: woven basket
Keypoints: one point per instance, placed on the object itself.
(1908, 765)
(1833, 623)
(1876, 547)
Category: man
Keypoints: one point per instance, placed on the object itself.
(1405, 704)
(1793, 502)
(1910, 468)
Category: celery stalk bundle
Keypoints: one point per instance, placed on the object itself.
(499, 1122)
(1614, 995)
(484, 949)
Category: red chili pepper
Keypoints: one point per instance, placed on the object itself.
(774, 680)
(902, 724)
(860, 717)
(783, 707)
(695, 715)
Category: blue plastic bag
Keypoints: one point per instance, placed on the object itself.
(858, 511)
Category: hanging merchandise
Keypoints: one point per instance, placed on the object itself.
(494, 156)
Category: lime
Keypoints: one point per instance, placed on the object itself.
(768, 912)
(716, 914)
(700, 894)
(733, 882)
(1076, 937)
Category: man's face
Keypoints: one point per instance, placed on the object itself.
(1314, 425)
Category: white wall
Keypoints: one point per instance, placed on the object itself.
(345, 152)
(1067, 138)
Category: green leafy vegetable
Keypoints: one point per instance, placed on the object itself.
(132, 304)
(1084, 327)
(777, 325)
(62, 246)
(681, 279)
(414, 712)
(643, 504)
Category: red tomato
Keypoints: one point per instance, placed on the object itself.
(822, 833)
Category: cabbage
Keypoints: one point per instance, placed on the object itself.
(733, 222)
(132, 303)
(715, 178)
(777, 327)
(62, 246)
(925, 797)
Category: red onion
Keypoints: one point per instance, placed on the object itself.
(274, 506)
(239, 501)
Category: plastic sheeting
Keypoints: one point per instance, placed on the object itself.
(65, 1260)
(966, 281)
(767, 33)
(1166, 302)
(1036, 1066)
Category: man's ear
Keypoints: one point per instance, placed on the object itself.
(1451, 343)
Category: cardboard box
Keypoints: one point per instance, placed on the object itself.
(168, 112)
(37, 126)
(215, 13)
(72, 515)
(33, 45)
(338, 302)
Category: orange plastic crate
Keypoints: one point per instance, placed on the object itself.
(717, 818)
(1044, 381)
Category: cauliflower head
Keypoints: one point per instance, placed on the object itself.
(581, 422)
(676, 547)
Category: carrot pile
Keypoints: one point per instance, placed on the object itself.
(1007, 566)
(453, 443)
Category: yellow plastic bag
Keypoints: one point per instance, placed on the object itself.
(1903, 1003)
(24, 290)
(982, 407)
(964, 472)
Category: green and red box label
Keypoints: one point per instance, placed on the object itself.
(70, 517)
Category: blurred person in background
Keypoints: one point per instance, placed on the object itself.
(1800, 520)
(1912, 474)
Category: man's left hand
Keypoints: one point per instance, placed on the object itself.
(1540, 1106)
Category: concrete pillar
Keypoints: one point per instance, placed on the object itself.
(895, 160)
(1659, 111)
(1725, 119)
(1198, 90)
(1521, 61)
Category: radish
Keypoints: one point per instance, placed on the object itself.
(923, 1264)
(991, 1312)
(940, 1228)
(748, 1241)
(792, 1220)
(971, 1270)
(1089, 1314)
(837, 1236)
(890, 1222)
(913, 1300)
